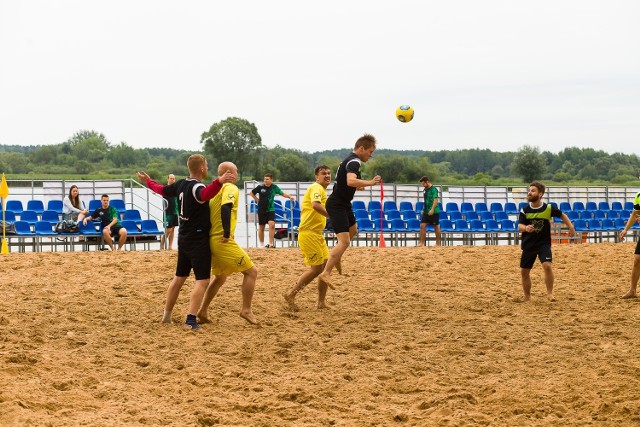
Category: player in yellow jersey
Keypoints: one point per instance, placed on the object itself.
(311, 237)
(227, 257)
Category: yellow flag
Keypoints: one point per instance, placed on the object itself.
(4, 188)
(5, 249)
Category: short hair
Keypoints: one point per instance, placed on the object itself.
(424, 179)
(366, 141)
(540, 186)
(318, 168)
(104, 195)
(195, 162)
(268, 175)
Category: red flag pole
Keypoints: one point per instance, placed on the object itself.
(382, 244)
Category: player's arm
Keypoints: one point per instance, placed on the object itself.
(209, 192)
(433, 207)
(632, 219)
(151, 184)
(283, 194)
(565, 219)
(317, 206)
(253, 196)
(522, 227)
(353, 181)
(225, 217)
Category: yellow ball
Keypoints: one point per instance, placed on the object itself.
(404, 113)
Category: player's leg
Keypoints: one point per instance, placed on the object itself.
(200, 257)
(170, 234)
(122, 237)
(212, 290)
(436, 227)
(635, 275)
(248, 287)
(423, 233)
(172, 296)
(106, 234)
(526, 262)
(548, 278)
(272, 233)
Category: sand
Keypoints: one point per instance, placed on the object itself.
(414, 336)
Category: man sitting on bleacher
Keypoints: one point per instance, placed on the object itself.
(110, 223)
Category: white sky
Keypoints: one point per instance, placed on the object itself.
(494, 74)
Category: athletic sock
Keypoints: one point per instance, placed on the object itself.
(166, 317)
(192, 322)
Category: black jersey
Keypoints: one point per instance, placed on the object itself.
(540, 218)
(342, 192)
(193, 213)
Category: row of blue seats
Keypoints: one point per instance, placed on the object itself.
(46, 228)
(52, 216)
(478, 226)
(37, 206)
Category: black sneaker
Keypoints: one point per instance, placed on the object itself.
(191, 323)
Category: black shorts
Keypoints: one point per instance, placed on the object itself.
(194, 253)
(430, 219)
(637, 252)
(115, 231)
(265, 217)
(341, 215)
(529, 256)
(171, 221)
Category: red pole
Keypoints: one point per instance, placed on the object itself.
(382, 244)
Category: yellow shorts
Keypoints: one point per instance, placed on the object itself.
(228, 258)
(313, 247)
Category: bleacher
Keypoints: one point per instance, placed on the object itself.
(36, 215)
(474, 223)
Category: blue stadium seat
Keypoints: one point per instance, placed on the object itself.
(374, 205)
(471, 215)
(510, 208)
(455, 215)
(398, 225)
(616, 206)
(591, 206)
(565, 206)
(406, 206)
(628, 206)
(413, 225)
(35, 205)
(501, 215)
(14, 206)
(361, 214)
(390, 205)
(55, 205)
(604, 206)
(9, 216)
(133, 215)
(391, 215)
(358, 204)
(51, 216)
(578, 207)
(492, 225)
(446, 225)
(93, 205)
(461, 225)
(496, 207)
(29, 216)
(486, 215)
(466, 207)
(452, 207)
(481, 207)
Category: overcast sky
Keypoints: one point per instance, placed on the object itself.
(494, 74)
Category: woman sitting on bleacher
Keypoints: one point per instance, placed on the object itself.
(73, 209)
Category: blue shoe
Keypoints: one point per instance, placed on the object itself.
(191, 323)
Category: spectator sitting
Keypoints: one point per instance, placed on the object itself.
(111, 226)
(73, 208)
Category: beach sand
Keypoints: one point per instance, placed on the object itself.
(414, 336)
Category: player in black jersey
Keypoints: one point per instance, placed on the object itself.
(535, 226)
(193, 232)
(348, 180)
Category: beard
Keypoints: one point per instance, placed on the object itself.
(533, 198)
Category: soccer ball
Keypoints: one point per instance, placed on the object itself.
(404, 113)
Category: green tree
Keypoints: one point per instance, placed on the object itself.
(233, 139)
(122, 155)
(529, 163)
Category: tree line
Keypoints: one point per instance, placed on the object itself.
(90, 155)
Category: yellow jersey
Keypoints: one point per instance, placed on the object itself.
(310, 219)
(229, 193)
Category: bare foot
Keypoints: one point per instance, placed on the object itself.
(339, 267)
(203, 319)
(324, 277)
(323, 306)
(550, 297)
(249, 317)
(629, 294)
(291, 301)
